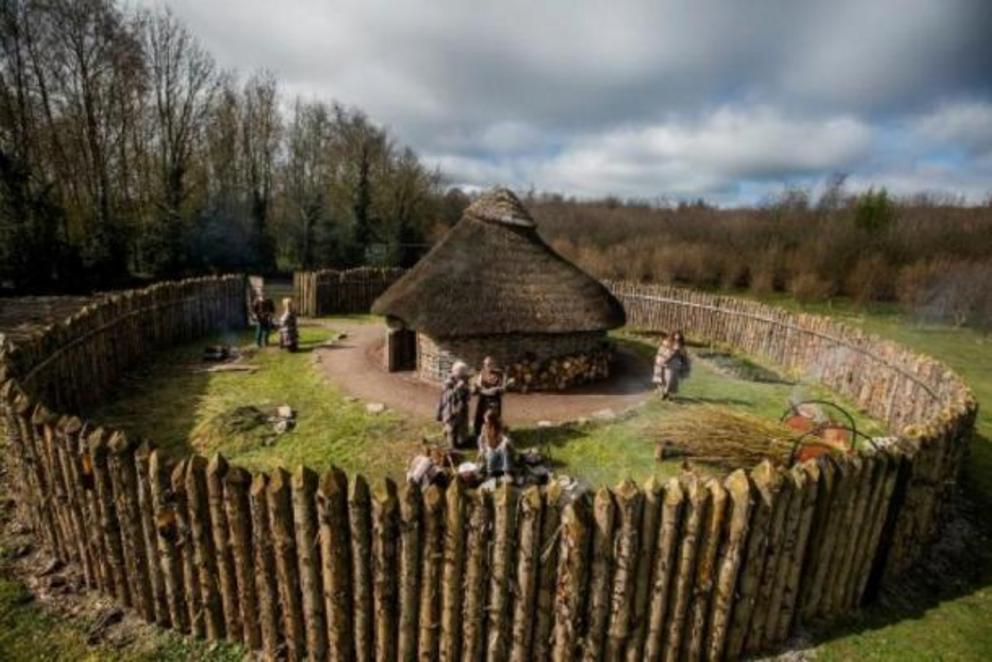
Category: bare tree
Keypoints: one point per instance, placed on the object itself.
(260, 135)
(183, 83)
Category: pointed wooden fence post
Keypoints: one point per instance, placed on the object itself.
(335, 553)
(308, 553)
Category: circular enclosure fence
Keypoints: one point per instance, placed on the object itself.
(328, 566)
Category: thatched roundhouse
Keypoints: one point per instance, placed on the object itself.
(493, 287)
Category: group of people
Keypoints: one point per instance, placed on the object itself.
(264, 311)
(494, 446)
(493, 443)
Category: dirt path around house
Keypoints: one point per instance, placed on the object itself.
(354, 364)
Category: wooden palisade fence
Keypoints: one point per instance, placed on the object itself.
(329, 291)
(329, 567)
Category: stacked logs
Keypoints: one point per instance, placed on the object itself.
(560, 373)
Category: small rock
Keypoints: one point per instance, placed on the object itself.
(285, 411)
(545, 424)
(375, 407)
(582, 420)
(605, 414)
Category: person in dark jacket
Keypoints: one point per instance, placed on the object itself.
(489, 386)
(263, 309)
(452, 409)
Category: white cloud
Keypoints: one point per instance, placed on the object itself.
(711, 97)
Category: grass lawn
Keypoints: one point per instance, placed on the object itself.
(173, 402)
(30, 633)
(607, 452)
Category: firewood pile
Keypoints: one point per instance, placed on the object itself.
(561, 372)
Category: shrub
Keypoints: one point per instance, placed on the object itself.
(810, 287)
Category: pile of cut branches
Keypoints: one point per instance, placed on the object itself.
(723, 438)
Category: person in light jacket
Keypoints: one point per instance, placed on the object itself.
(671, 365)
(289, 333)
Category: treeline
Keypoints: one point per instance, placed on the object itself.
(931, 255)
(125, 150)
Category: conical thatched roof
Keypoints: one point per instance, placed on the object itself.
(492, 274)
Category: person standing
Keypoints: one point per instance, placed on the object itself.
(289, 333)
(264, 310)
(452, 409)
(489, 386)
(671, 365)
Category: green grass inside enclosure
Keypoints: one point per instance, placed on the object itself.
(177, 405)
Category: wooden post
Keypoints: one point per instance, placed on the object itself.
(411, 507)
(109, 522)
(204, 555)
(547, 571)
(706, 571)
(573, 567)
(69, 449)
(738, 490)
(385, 530)
(476, 571)
(266, 583)
(237, 482)
(765, 483)
(663, 573)
(146, 505)
(809, 589)
(805, 478)
(310, 569)
(335, 554)
(451, 580)
(500, 600)
(433, 552)
(697, 510)
(650, 512)
(68, 460)
(629, 502)
(598, 597)
(184, 546)
(226, 580)
(360, 518)
(528, 559)
(287, 568)
(781, 496)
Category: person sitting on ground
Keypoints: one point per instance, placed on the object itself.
(495, 448)
(489, 386)
(671, 365)
(263, 310)
(452, 409)
(427, 468)
(289, 333)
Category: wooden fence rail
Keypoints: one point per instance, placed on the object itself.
(300, 565)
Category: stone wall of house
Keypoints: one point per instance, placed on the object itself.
(436, 356)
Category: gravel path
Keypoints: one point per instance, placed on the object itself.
(355, 365)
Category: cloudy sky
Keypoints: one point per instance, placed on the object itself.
(723, 99)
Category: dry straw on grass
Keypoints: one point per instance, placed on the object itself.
(725, 438)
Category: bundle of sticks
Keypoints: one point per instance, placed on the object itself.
(722, 437)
